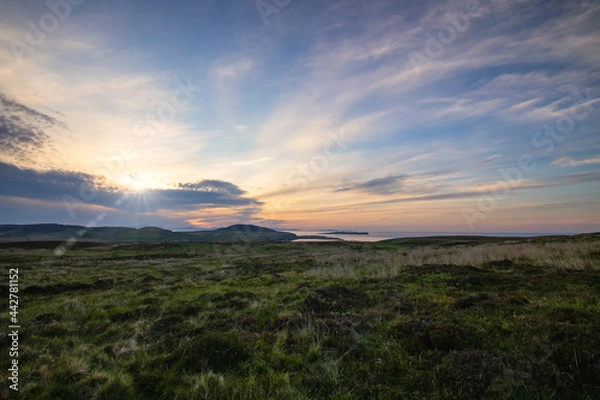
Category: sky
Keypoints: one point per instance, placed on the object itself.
(383, 115)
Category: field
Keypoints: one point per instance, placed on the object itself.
(431, 318)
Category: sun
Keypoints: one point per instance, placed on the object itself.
(137, 183)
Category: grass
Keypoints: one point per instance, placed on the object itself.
(435, 318)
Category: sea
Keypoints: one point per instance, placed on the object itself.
(377, 236)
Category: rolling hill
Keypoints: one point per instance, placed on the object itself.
(58, 232)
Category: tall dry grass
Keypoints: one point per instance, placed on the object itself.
(386, 264)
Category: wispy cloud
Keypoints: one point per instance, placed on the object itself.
(387, 185)
(570, 162)
(233, 69)
(489, 159)
(251, 162)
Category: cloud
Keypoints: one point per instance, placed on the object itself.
(55, 185)
(77, 189)
(463, 192)
(205, 193)
(213, 186)
(568, 161)
(393, 184)
(345, 77)
(23, 129)
(489, 160)
(388, 185)
(227, 77)
(221, 216)
(185, 199)
(251, 162)
(233, 69)
(563, 180)
(17, 108)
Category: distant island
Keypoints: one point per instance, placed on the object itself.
(343, 233)
(319, 237)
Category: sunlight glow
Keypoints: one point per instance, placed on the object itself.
(137, 183)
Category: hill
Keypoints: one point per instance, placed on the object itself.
(58, 232)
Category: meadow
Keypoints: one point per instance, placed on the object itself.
(420, 318)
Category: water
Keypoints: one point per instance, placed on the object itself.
(376, 236)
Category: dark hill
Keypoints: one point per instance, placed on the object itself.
(58, 232)
(246, 233)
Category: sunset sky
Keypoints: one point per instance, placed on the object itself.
(449, 116)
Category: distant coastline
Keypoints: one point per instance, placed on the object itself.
(316, 237)
(343, 233)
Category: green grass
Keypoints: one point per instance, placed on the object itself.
(435, 318)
